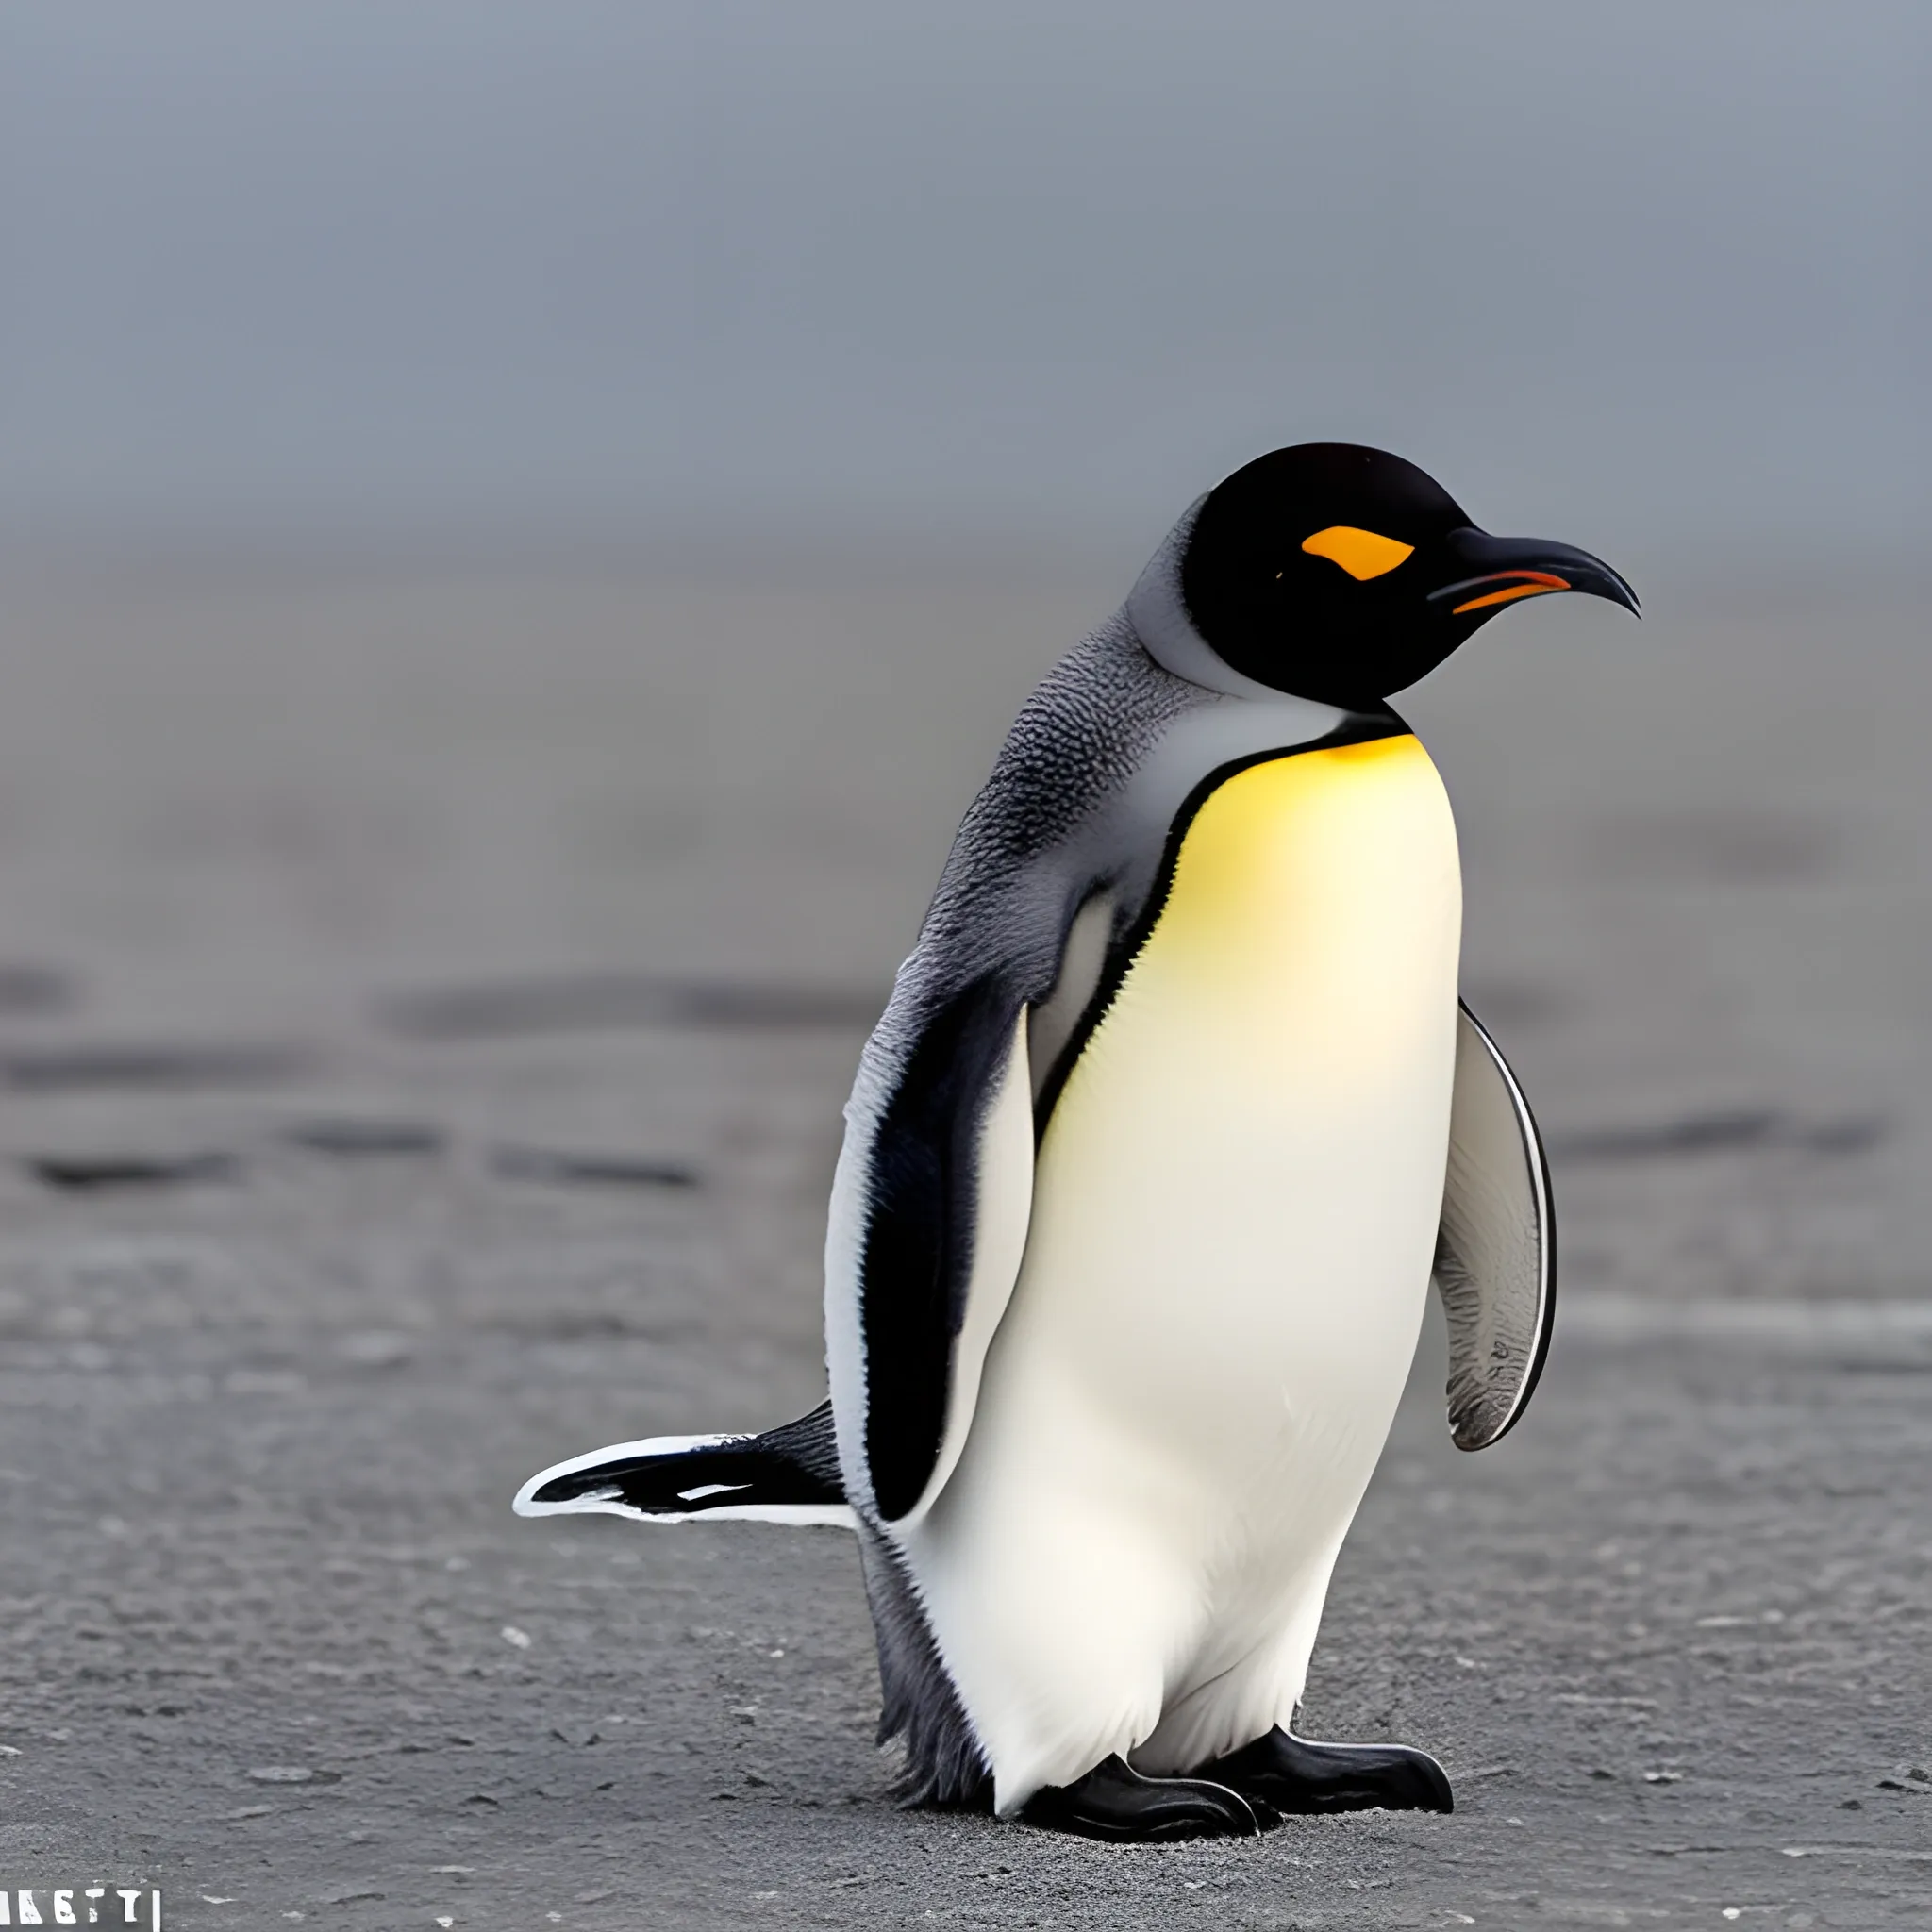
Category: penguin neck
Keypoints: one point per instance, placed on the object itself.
(1158, 614)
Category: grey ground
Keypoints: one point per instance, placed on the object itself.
(273, 1637)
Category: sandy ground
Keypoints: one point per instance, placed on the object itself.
(424, 1010)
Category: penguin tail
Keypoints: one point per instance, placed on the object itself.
(788, 1474)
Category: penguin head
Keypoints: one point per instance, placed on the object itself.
(1344, 573)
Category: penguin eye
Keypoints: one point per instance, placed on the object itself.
(1361, 553)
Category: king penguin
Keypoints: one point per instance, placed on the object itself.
(1171, 1117)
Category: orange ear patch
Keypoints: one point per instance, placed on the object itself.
(1361, 553)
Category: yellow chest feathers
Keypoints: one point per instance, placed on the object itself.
(1314, 915)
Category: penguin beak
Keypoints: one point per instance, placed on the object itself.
(1494, 571)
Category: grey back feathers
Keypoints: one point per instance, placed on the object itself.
(1039, 834)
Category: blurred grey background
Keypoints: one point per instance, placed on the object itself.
(521, 529)
(746, 274)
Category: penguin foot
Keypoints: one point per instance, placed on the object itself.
(1293, 1776)
(1115, 1803)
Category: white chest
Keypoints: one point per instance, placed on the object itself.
(1235, 1201)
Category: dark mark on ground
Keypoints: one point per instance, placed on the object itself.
(607, 1001)
(35, 990)
(1744, 1130)
(46, 1070)
(586, 1325)
(1856, 1136)
(590, 1170)
(352, 1138)
(77, 1175)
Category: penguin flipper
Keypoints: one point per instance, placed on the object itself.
(1496, 1247)
(943, 1193)
(788, 1474)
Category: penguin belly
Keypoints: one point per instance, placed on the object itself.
(1235, 1211)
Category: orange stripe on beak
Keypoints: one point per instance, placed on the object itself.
(1540, 583)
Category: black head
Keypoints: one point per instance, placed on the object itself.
(1344, 573)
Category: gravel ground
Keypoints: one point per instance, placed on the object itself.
(425, 1014)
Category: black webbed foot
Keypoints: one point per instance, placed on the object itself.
(1296, 1778)
(1115, 1803)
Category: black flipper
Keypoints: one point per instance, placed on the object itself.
(946, 1220)
(1115, 1803)
(788, 1474)
(1298, 1778)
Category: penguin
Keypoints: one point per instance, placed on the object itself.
(1172, 1116)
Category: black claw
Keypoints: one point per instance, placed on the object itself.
(1293, 1776)
(1115, 1803)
